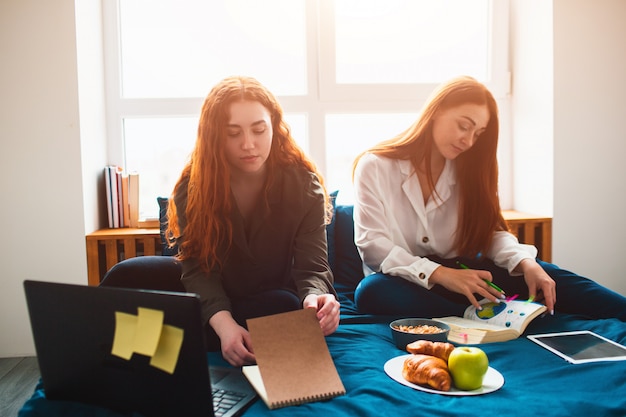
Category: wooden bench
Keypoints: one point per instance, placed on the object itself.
(107, 247)
(533, 230)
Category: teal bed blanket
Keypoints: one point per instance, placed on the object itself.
(536, 381)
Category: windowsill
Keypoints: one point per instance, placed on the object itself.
(148, 223)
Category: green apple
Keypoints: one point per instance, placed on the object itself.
(468, 366)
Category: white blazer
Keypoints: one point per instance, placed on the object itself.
(394, 230)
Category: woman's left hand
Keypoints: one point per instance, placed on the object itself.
(327, 308)
(541, 286)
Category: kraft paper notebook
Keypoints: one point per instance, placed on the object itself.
(294, 365)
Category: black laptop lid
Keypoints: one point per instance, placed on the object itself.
(74, 328)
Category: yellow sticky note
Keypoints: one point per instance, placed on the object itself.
(146, 334)
(124, 337)
(149, 327)
(166, 355)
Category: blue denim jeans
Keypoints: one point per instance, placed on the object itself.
(391, 295)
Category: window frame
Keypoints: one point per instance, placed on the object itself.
(498, 82)
(324, 96)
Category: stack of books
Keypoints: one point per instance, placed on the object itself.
(122, 196)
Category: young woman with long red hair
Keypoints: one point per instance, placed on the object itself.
(428, 224)
(248, 215)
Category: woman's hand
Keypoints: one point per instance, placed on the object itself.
(541, 287)
(327, 308)
(235, 341)
(467, 282)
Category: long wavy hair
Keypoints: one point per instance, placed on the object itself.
(207, 173)
(476, 169)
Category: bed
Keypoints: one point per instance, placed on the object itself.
(536, 381)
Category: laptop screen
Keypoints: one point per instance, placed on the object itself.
(82, 335)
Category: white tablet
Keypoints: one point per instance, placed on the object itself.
(581, 346)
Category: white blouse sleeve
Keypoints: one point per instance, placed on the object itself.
(506, 251)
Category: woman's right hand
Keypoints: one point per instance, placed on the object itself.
(467, 282)
(235, 341)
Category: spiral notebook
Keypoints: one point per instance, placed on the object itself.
(294, 365)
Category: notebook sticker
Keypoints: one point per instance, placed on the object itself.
(166, 354)
(148, 333)
(145, 334)
(124, 337)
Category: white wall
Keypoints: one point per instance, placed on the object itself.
(569, 108)
(590, 139)
(43, 231)
(532, 104)
(92, 110)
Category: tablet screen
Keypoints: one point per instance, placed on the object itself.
(581, 346)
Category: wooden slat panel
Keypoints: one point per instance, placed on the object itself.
(111, 253)
(519, 223)
(93, 262)
(130, 248)
(546, 233)
(533, 230)
(107, 239)
(149, 247)
(529, 233)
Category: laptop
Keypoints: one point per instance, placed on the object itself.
(81, 339)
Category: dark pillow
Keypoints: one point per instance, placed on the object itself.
(330, 232)
(167, 251)
(348, 266)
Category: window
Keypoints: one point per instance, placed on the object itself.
(348, 73)
(173, 48)
(389, 42)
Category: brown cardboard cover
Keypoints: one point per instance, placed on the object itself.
(293, 359)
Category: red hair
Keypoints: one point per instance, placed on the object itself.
(207, 174)
(476, 169)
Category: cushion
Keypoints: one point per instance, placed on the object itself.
(348, 266)
(330, 232)
(166, 250)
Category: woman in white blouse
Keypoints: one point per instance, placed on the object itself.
(428, 224)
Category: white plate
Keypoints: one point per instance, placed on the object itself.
(493, 380)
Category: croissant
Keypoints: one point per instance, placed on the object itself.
(426, 347)
(427, 370)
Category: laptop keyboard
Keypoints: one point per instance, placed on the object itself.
(224, 400)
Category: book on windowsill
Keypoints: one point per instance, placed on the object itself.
(294, 365)
(113, 187)
(133, 199)
(496, 322)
